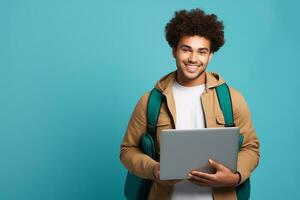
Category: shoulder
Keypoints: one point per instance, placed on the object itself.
(142, 103)
(144, 98)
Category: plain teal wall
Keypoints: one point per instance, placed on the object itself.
(72, 71)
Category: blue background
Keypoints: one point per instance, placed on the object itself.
(71, 73)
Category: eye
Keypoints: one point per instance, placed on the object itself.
(202, 52)
(185, 50)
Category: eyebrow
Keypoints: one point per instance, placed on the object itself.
(186, 46)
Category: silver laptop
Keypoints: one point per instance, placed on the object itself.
(184, 150)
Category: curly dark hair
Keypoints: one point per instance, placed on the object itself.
(195, 22)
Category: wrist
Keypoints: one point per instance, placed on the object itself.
(237, 178)
(240, 177)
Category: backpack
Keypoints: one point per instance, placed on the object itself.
(137, 188)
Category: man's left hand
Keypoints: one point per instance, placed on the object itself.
(222, 178)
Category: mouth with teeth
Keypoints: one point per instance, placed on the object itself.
(192, 68)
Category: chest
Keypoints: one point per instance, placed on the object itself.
(207, 103)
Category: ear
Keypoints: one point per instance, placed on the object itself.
(174, 52)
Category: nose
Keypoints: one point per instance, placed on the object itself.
(193, 57)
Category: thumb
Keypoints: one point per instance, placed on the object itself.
(215, 164)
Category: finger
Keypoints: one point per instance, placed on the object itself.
(201, 179)
(199, 183)
(202, 175)
(215, 164)
(157, 171)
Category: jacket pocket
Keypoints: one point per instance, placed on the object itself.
(220, 120)
(163, 120)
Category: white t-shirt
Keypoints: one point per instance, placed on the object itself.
(189, 115)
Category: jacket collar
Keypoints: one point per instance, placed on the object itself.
(165, 84)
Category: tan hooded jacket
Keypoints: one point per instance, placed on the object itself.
(142, 165)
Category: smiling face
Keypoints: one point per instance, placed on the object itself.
(192, 56)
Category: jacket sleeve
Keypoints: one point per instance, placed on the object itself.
(131, 156)
(248, 156)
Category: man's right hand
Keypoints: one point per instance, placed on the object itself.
(165, 183)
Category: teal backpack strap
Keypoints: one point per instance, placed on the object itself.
(225, 104)
(153, 109)
(224, 98)
(137, 188)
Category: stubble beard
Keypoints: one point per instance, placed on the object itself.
(185, 77)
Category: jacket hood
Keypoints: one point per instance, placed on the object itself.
(212, 80)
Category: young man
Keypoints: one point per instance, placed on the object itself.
(191, 102)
